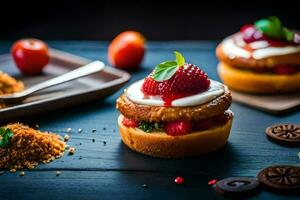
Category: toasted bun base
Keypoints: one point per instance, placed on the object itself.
(247, 81)
(162, 145)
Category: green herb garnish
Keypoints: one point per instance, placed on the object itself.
(5, 135)
(165, 70)
(149, 127)
(272, 28)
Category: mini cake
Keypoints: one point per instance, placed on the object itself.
(263, 57)
(175, 112)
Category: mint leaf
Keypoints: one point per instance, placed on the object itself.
(149, 127)
(165, 70)
(271, 27)
(179, 58)
(288, 35)
(5, 136)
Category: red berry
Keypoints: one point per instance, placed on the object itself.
(251, 34)
(285, 69)
(204, 124)
(222, 118)
(130, 122)
(179, 180)
(150, 86)
(188, 80)
(278, 43)
(212, 182)
(179, 127)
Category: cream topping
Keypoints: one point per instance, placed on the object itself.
(134, 94)
(233, 47)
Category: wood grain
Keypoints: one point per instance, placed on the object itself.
(113, 171)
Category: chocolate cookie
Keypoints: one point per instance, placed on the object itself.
(287, 134)
(280, 178)
(236, 185)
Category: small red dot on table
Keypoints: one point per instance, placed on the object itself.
(212, 181)
(179, 180)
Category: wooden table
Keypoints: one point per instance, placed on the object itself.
(112, 171)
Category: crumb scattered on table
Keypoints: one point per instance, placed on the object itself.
(66, 138)
(72, 150)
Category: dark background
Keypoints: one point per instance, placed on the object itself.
(157, 20)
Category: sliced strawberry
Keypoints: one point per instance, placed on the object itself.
(179, 127)
(130, 122)
(285, 69)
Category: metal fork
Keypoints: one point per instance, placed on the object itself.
(85, 70)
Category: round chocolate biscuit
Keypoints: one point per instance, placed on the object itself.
(236, 185)
(280, 178)
(286, 134)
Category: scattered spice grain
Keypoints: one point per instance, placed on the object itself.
(57, 173)
(66, 138)
(72, 151)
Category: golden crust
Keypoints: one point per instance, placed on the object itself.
(247, 81)
(29, 146)
(162, 145)
(290, 59)
(159, 113)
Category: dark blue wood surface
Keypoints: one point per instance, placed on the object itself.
(112, 171)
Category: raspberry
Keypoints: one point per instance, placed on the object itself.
(179, 127)
(130, 122)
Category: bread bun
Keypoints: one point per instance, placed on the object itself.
(251, 82)
(159, 144)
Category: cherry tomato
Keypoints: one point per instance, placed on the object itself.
(127, 50)
(30, 55)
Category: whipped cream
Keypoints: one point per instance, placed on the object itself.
(134, 94)
(233, 47)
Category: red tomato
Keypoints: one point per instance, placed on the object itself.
(30, 55)
(127, 50)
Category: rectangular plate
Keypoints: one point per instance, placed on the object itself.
(79, 91)
(276, 104)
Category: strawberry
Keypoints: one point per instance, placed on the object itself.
(175, 79)
(222, 118)
(204, 124)
(285, 70)
(150, 86)
(187, 80)
(178, 127)
(130, 122)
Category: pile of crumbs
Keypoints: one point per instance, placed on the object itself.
(9, 85)
(28, 147)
